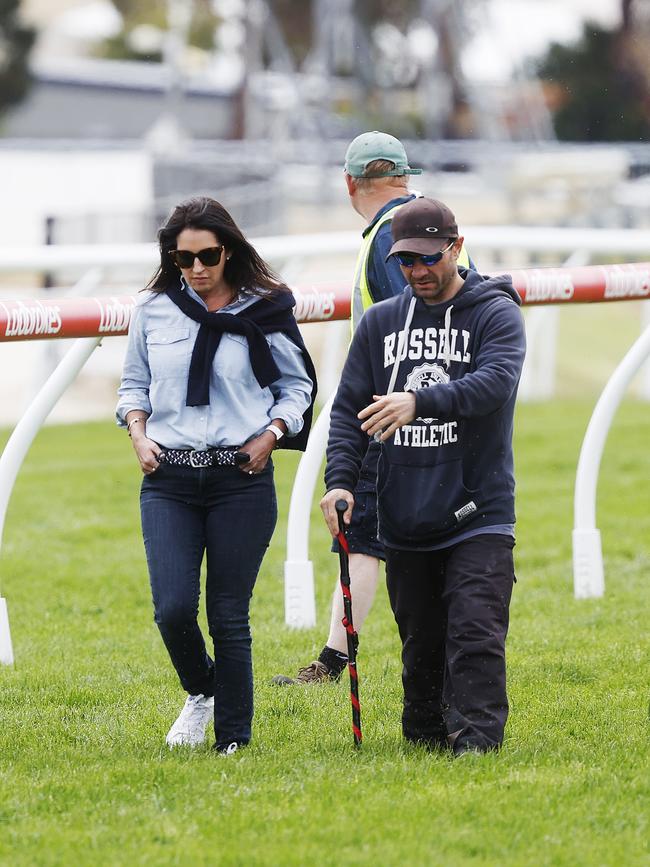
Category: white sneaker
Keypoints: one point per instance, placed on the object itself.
(189, 728)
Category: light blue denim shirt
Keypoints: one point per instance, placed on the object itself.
(156, 368)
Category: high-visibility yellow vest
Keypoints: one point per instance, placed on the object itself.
(361, 297)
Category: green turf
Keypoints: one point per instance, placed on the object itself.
(84, 774)
(592, 340)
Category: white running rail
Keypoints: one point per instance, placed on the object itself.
(540, 239)
(299, 600)
(22, 438)
(299, 595)
(588, 572)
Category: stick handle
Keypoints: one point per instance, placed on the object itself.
(344, 551)
(341, 507)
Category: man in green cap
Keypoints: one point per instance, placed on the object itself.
(376, 173)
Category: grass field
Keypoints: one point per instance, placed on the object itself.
(84, 774)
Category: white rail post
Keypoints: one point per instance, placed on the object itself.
(22, 438)
(334, 354)
(299, 598)
(644, 390)
(588, 573)
(6, 650)
(85, 286)
(538, 375)
(542, 323)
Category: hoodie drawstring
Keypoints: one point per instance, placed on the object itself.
(401, 344)
(401, 347)
(446, 352)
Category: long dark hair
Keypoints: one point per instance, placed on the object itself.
(244, 270)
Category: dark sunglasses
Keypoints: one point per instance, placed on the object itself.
(208, 257)
(408, 260)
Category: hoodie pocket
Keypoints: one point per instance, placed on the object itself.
(426, 503)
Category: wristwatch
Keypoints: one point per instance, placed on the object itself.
(275, 430)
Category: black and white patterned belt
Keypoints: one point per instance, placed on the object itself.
(226, 457)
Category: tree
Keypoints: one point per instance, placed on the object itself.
(598, 91)
(16, 42)
(135, 14)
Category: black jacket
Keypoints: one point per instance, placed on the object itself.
(451, 469)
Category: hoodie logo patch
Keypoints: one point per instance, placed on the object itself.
(465, 510)
(425, 376)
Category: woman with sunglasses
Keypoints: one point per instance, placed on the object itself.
(216, 376)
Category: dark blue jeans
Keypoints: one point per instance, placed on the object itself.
(229, 516)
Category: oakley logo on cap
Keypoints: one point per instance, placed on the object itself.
(431, 229)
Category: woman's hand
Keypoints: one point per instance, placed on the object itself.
(147, 452)
(258, 451)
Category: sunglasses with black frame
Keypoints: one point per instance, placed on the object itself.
(208, 257)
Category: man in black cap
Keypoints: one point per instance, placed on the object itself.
(376, 172)
(433, 374)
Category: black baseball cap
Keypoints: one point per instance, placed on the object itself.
(424, 226)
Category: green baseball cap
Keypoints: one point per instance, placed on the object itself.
(377, 145)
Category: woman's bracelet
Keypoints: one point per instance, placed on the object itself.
(133, 421)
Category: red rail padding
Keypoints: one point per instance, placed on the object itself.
(583, 285)
(65, 317)
(110, 315)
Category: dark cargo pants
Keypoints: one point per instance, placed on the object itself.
(451, 607)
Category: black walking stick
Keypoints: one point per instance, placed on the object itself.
(351, 635)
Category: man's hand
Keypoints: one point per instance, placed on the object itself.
(328, 506)
(387, 413)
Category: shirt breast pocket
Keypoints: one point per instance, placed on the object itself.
(169, 352)
(232, 361)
